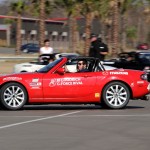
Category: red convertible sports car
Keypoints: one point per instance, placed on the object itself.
(52, 84)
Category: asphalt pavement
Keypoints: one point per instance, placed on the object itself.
(73, 127)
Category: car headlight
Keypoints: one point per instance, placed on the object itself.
(144, 77)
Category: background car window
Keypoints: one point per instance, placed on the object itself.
(29, 45)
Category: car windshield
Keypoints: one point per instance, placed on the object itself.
(49, 66)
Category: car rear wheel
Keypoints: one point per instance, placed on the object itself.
(116, 95)
(13, 96)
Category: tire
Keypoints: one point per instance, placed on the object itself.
(115, 95)
(13, 96)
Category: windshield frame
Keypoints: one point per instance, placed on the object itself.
(48, 67)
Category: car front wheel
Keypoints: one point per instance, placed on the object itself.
(13, 96)
(116, 95)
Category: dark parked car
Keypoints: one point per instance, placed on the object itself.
(30, 48)
(139, 60)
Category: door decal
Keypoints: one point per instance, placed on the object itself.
(65, 81)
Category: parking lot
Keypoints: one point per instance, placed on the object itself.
(75, 127)
(82, 127)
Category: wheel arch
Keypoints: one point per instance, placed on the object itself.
(130, 90)
(18, 83)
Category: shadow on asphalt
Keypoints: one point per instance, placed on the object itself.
(134, 107)
(73, 107)
(60, 107)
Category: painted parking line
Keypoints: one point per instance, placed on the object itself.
(36, 120)
(133, 115)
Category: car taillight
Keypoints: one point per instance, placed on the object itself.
(144, 77)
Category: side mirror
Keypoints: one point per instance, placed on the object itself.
(61, 71)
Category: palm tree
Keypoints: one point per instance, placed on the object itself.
(144, 18)
(42, 22)
(132, 34)
(18, 9)
(124, 7)
(103, 14)
(41, 8)
(72, 9)
(87, 11)
(115, 34)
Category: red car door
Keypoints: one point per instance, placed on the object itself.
(69, 85)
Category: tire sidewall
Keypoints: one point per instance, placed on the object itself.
(4, 104)
(107, 104)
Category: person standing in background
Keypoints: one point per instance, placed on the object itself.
(46, 49)
(103, 49)
(92, 51)
(98, 49)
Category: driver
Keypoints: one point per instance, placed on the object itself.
(82, 66)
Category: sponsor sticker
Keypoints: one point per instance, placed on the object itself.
(65, 81)
(119, 73)
(12, 78)
(140, 82)
(35, 84)
(35, 80)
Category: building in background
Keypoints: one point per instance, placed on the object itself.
(57, 31)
